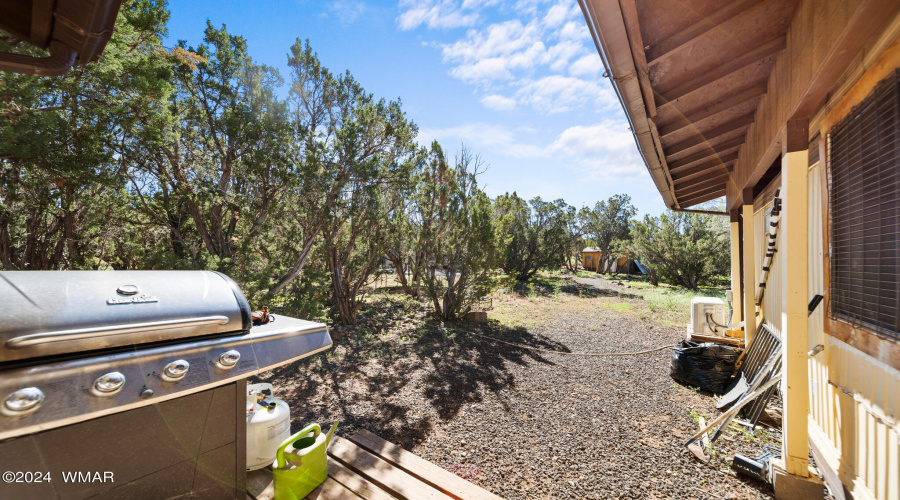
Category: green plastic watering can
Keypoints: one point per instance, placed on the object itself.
(301, 463)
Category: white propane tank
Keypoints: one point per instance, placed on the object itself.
(715, 308)
(268, 425)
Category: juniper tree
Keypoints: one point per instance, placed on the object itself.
(63, 203)
(538, 232)
(608, 222)
(460, 236)
(687, 249)
(358, 153)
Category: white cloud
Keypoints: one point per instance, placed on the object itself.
(559, 55)
(477, 4)
(529, 7)
(560, 13)
(346, 11)
(496, 52)
(437, 14)
(500, 39)
(494, 68)
(557, 94)
(606, 137)
(574, 30)
(586, 65)
(597, 152)
(601, 151)
(546, 61)
(490, 139)
(481, 134)
(504, 50)
(498, 102)
(616, 170)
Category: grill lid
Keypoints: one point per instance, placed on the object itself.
(60, 312)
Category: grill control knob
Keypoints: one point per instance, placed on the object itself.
(23, 401)
(176, 370)
(108, 384)
(228, 359)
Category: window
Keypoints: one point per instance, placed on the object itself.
(864, 212)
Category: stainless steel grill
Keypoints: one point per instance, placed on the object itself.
(83, 346)
(62, 312)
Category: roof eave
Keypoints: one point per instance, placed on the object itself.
(611, 38)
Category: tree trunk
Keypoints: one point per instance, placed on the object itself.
(651, 276)
(345, 309)
(343, 298)
(438, 314)
(571, 263)
(689, 282)
(410, 287)
(417, 265)
(72, 250)
(297, 268)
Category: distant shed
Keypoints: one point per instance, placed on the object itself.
(625, 264)
(590, 258)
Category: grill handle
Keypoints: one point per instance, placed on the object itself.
(105, 331)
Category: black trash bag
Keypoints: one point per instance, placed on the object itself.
(707, 365)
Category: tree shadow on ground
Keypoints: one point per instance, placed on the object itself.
(549, 286)
(466, 357)
(400, 387)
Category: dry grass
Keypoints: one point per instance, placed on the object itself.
(665, 304)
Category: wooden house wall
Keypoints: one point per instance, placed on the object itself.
(823, 38)
(854, 397)
(772, 303)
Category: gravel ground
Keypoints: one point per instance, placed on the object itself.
(521, 422)
(604, 286)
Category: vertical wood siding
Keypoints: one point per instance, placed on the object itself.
(772, 298)
(854, 399)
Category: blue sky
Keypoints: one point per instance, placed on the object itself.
(519, 82)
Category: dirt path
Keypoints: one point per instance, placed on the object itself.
(598, 283)
(523, 423)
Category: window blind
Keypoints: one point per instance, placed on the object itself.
(864, 212)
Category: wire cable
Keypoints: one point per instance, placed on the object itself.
(710, 320)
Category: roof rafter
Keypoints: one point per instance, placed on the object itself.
(705, 137)
(665, 48)
(747, 58)
(718, 155)
(700, 191)
(731, 102)
(696, 199)
(718, 182)
(705, 170)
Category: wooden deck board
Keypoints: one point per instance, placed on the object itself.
(389, 478)
(332, 490)
(371, 468)
(360, 485)
(422, 469)
(259, 484)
